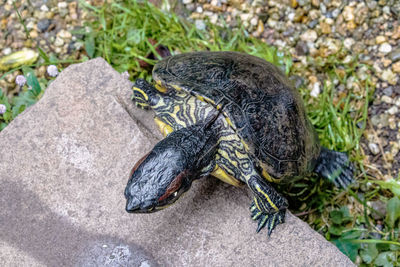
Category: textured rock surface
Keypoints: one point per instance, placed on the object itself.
(64, 165)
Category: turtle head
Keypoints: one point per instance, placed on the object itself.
(157, 180)
(163, 175)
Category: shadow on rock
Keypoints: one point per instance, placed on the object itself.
(27, 224)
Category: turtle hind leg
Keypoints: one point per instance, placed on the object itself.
(144, 94)
(268, 207)
(335, 167)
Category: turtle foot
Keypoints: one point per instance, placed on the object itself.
(335, 167)
(271, 220)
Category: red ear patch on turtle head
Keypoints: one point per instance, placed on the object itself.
(138, 164)
(174, 185)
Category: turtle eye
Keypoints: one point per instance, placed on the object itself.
(174, 186)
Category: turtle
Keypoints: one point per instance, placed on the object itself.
(233, 116)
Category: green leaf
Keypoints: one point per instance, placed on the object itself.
(32, 81)
(392, 211)
(369, 253)
(346, 214)
(352, 234)
(2, 125)
(336, 230)
(348, 248)
(90, 45)
(386, 259)
(336, 216)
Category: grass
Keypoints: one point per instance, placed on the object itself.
(127, 32)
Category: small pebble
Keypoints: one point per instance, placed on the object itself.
(200, 25)
(373, 148)
(396, 67)
(393, 110)
(348, 13)
(394, 55)
(385, 48)
(43, 25)
(309, 36)
(6, 51)
(388, 91)
(380, 39)
(59, 41)
(301, 48)
(348, 43)
(316, 89)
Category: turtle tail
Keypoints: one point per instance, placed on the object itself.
(335, 167)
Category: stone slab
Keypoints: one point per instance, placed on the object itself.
(64, 164)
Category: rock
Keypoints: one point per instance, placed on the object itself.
(387, 99)
(64, 34)
(59, 41)
(361, 14)
(396, 67)
(348, 43)
(388, 76)
(309, 36)
(380, 39)
(393, 110)
(379, 209)
(200, 25)
(62, 182)
(373, 148)
(316, 89)
(315, 3)
(301, 48)
(394, 55)
(325, 28)
(348, 13)
(388, 91)
(385, 48)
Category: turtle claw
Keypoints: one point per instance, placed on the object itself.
(271, 220)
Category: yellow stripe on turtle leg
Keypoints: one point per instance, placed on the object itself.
(219, 173)
(268, 199)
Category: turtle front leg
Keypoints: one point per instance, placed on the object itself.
(268, 207)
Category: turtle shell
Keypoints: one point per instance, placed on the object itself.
(262, 106)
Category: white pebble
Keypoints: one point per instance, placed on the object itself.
(316, 90)
(254, 21)
(373, 148)
(385, 48)
(387, 99)
(44, 8)
(7, 51)
(348, 43)
(62, 5)
(59, 42)
(393, 110)
(309, 36)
